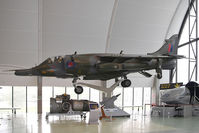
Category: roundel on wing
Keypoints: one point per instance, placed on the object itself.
(170, 48)
(70, 64)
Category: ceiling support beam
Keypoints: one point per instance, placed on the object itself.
(110, 28)
(192, 19)
(193, 47)
(40, 41)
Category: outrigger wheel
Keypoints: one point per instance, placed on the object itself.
(126, 83)
(78, 90)
(159, 73)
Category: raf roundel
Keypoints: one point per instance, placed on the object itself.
(70, 64)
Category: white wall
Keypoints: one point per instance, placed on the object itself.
(75, 25)
(18, 32)
(18, 38)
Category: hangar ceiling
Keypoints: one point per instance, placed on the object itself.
(141, 26)
(75, 25)
(31, 31)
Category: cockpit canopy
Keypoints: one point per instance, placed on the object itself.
(56, 59)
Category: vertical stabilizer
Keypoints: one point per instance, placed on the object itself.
(169, 48)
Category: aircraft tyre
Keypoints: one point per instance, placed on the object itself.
(159, 75)
(78, 90)
(126, 83)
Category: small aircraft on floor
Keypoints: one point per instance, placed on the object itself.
(188, 94)
(107, 66)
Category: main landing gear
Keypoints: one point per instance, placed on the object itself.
(78, 89)
(159, 69)
(126, 82)
(159, 73)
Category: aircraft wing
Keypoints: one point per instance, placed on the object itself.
(138, 56)
(124, 57)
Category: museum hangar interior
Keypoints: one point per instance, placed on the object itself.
(32, 31)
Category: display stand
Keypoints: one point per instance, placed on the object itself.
(109, 108)
(93, 116)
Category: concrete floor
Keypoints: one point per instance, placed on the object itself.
(32, 123)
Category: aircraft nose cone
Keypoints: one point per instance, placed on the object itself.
(25, 72)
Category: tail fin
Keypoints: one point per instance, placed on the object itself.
(169, 48)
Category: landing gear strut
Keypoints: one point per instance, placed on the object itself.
(78, 89)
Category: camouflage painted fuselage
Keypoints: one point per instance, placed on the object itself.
(97, 66)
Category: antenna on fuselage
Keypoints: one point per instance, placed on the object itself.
(121, 52)
(72, 59)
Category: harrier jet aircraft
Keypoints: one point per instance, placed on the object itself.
(107, 66)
